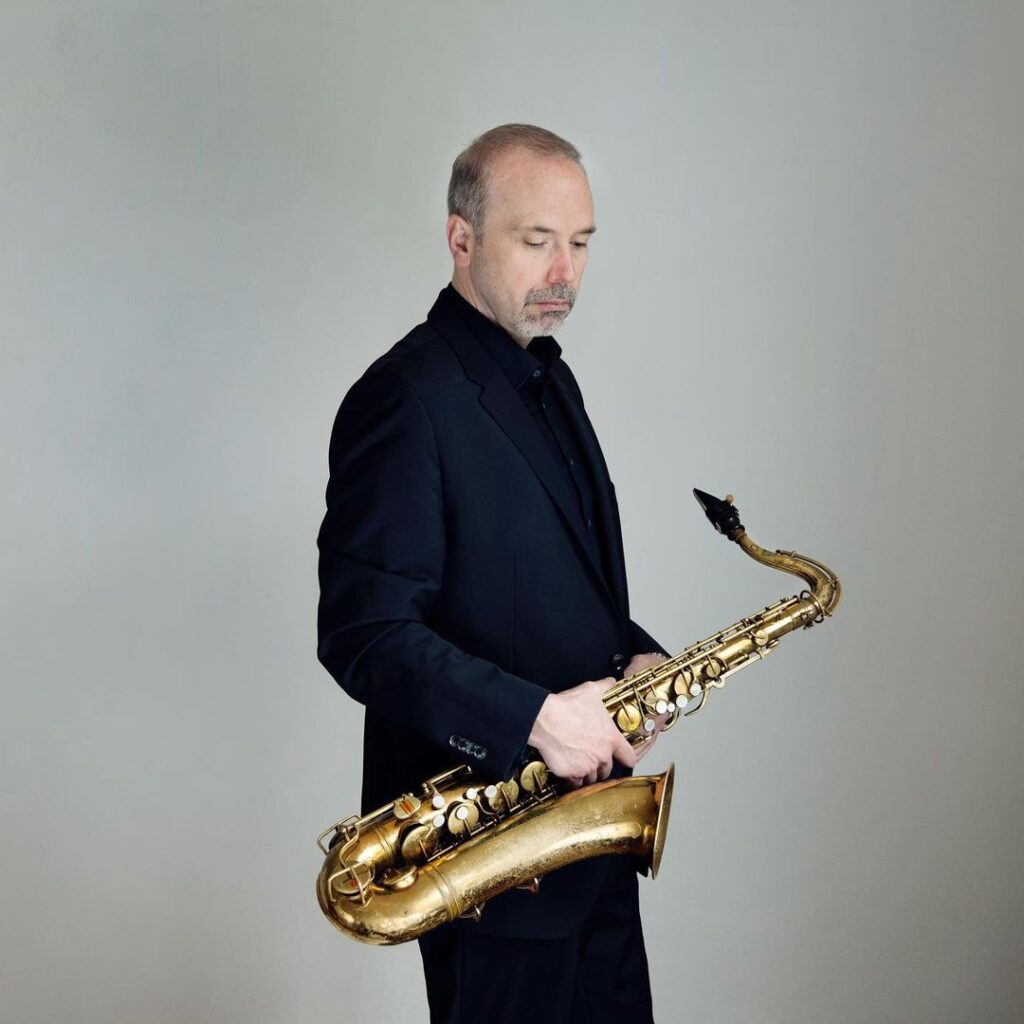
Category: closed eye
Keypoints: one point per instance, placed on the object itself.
(538, 245)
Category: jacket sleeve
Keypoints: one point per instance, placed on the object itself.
(382, 557)
(643, 642)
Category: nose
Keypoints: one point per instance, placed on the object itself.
(563, 268)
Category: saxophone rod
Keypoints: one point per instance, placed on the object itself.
(666, 688)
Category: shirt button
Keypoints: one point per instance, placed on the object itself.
(572, 463)
(536, 373)
(617, 662)
(590, 522)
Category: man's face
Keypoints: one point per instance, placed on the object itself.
(525, 271)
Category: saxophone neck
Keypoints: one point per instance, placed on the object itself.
(825, 589)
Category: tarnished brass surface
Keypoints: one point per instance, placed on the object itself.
(681, 684)
(617, 816)
(429, 857)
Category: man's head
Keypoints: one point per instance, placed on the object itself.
(520, 215)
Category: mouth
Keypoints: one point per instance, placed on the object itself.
(551, 305)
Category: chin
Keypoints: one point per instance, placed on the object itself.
(535, 328)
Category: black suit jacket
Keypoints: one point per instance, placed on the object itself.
(456, 591)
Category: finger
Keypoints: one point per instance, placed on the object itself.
(591, 777)
(622, 751)
(605, 770)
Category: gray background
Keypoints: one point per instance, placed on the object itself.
(804, 289)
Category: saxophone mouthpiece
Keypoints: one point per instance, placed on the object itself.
(722, 514)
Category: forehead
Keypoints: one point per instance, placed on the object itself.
(526, 188)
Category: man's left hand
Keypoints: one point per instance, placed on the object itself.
(637, 664)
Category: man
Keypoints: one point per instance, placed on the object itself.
(473, 590)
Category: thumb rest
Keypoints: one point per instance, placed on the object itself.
(428, 858)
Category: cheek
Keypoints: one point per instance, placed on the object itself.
(524, 281)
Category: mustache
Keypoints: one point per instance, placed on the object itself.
(558, 293)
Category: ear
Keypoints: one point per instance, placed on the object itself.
(461, 240)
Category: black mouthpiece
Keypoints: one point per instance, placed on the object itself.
(722, 515)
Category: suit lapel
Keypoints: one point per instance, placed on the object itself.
(607, 510)
(508, 411)
(506, 408)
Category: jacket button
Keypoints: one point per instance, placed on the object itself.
(617, 662)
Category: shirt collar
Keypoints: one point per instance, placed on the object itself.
(521, 365)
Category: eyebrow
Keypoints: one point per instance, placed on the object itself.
(550, 231)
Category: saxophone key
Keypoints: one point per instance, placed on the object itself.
(534, 777)
(419, 842)
(628, 718)
(502, 797)
(463, 819)
(683, 684)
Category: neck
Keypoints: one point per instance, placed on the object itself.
(464, 286)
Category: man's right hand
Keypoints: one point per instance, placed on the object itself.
(576, 737)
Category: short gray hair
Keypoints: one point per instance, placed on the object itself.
(468, 186)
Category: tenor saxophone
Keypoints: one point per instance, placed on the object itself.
(441, 853)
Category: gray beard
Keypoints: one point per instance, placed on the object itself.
(535, 326)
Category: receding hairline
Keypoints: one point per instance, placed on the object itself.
(472, 172)
(523, 215)
(498, 164)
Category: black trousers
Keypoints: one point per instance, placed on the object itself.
(594, 975)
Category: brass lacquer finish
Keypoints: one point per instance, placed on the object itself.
(680, 685)
(441, 853)
(372, 895)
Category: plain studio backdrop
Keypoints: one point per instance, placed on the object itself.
(804, 289)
